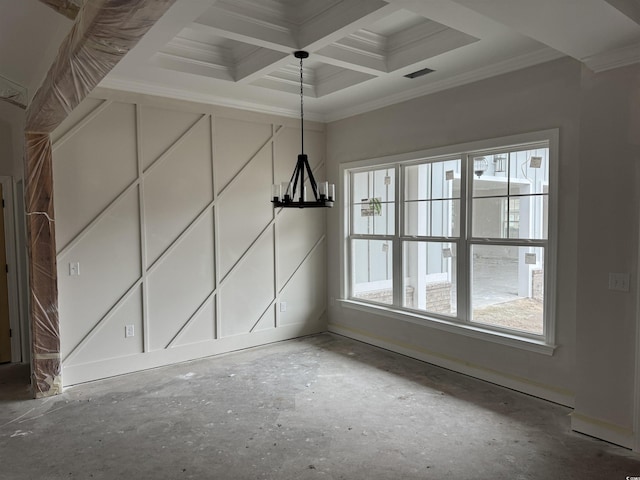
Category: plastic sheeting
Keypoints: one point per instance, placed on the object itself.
(68, 8)
(45, 339)
(104, 31)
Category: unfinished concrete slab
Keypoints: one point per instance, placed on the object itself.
(317, 407)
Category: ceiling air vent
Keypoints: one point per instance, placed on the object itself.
(419, 73)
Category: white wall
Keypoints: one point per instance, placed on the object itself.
(598, 116)
(11, 140)
(544, 97)
(165, 206)
(608, 242)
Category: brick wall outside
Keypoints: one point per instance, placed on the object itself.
(386, 296)
(439, 297)
(537, 281)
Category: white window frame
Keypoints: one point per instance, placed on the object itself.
(538, 343)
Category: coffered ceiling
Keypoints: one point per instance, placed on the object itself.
(362, 52)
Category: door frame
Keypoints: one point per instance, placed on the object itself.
(636, 410)
(15, 314)
(636, 413)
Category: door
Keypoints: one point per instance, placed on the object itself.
(5, 326)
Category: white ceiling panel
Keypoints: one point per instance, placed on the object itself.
(240, 52)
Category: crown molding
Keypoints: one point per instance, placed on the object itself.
(619, 57)
(146, 88)
(517, 63)
(523, 61)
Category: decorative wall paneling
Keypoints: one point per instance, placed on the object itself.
(166, 214)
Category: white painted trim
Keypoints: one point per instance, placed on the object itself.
(276, 255)
(636, 413)
(12, 277)
(466, 329)
(135, 183)
(191, 96)
(158, 358)
(344, 191)
(23, 270)
(13, 92)
(81, 124)
(527, 60)
(190, 320)
(510, 65)
(216, 237)
(619, 57)
(551, 255)
(602, 430)
(544, 344)
(144, 284)
(636, 408)
(516, 140)
(520, 384)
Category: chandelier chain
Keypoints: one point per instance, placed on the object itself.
(301, 109)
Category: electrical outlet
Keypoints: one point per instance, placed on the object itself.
(619, 282)
(283, 306)
(74, 269)
(129, 331)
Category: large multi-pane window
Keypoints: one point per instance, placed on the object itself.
(461, 238)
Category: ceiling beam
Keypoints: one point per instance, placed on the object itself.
(593, 27)
(68, 8)
(103, 33)
(631, 8)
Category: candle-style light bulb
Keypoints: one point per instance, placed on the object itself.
(323, 187)
(275, 192)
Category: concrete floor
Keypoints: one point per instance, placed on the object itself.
(318, 407)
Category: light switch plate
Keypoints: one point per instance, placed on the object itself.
(74, 269)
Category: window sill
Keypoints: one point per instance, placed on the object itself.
(473, 331)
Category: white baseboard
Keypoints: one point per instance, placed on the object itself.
(520, 384)
(86, 372)
(603, 430)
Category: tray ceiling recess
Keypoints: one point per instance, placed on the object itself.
(245, 42)
(363, 53)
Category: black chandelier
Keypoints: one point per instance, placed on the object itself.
(284, 195)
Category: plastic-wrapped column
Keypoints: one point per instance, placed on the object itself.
(104, 31)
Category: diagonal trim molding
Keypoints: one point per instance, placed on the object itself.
(208, 209)
(74, 241)
(13, 93)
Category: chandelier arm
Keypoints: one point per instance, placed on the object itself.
(296, 174)
(291, 185)
(312, 180)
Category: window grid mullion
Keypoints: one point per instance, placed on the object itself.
(463, 266)
(398, 253)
